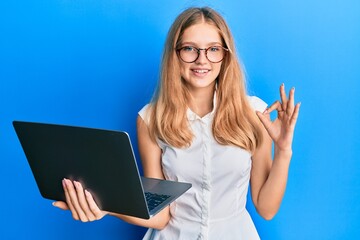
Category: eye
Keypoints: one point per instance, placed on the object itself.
(214, 49)
(188, 49)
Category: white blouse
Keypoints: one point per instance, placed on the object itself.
(214, 208)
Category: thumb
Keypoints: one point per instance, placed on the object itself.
(265, 120)
(61, 205)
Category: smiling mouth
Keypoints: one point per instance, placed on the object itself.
(201, 71)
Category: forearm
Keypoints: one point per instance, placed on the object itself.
(159, 221)
(272, 192)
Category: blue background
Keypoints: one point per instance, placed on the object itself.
(95, 63)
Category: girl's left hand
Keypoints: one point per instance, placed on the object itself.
(281, 130)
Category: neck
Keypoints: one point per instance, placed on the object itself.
(201, 101)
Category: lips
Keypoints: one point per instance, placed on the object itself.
(201, 70)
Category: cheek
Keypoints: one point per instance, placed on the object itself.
(217, 69)
(183, 70)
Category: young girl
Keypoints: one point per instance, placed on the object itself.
(202, 128)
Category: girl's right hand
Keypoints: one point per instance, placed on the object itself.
(80, 202)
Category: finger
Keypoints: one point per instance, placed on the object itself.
(295, 115)
(290, 104)
(283, 97)
(75, 201)
(265, 120)
(93, 206)
(68, 200)
(83, 202)
(61, 205)
(275, 106)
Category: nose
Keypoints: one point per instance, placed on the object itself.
(202, 56)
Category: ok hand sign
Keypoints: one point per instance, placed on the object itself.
(281, 130)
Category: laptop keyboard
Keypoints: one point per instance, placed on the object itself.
(153, 199)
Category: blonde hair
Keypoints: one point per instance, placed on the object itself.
(235, 122)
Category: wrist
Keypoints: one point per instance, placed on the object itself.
(283, 153)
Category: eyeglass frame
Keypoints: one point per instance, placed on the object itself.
(202, 49)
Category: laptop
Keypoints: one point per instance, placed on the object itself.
(102, 160)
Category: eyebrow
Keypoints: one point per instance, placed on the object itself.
(195, 44)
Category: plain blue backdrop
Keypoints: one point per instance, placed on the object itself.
(95, 63)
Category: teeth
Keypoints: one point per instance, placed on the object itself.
(201, 71)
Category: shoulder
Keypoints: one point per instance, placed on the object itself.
(144, 113)
(257, 104)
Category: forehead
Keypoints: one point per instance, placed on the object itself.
(201, 34)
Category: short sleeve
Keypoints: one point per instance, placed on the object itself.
(144, 114)
(257, 104)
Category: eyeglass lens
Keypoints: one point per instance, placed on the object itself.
(190, 54)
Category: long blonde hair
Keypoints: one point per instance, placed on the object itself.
(235, 122)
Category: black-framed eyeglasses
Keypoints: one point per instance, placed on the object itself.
(190, 54)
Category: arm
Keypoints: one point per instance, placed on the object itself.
(150, 154)
(269, 176)
(82, 205)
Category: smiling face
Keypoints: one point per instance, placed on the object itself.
(201, 74)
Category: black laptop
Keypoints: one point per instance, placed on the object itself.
(102, 160)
